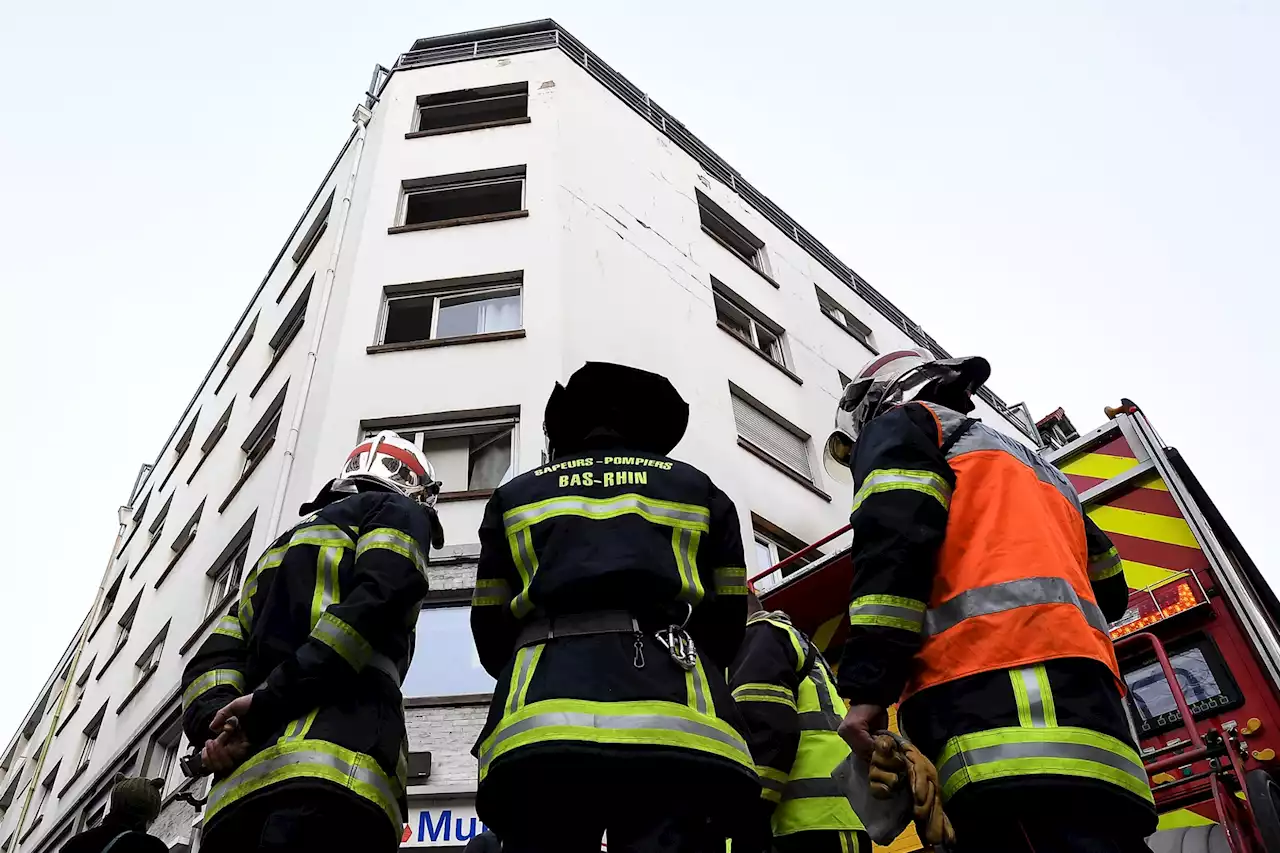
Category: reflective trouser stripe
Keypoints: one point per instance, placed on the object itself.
(1033, 696)
(1105, 566)
(307, 759)
(522, 674)
(654, 723)
(762, 692)
(696, 689)
(1062, 751)
(393, 540)
(888, 611)
(848, 841)
(229, 626)
(491, 592)
(896, 479)
(731, 581)
(326, 590)
(343, 639)
(1010, 595)
(209, 680)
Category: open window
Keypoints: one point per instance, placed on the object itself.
(472, 456)
(772, 546)
(461, 199)
(844, 318)
(740, 319)
(730, 233)
(455, 308)
(211, 441)
(471, 109)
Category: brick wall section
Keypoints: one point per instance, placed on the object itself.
(174, 820)
(448, 733)
(449, 576)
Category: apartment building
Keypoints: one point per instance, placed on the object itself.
(506, 208)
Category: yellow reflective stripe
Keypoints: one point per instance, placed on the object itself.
(1046, 695)
(522, 674)
(770, 794)
(764, 771)
(761, 692)
(269, 560)
(527, 565)
(308, 759)
(800, 647)
(697, 692)
(299, 728)
(731, 581)
(343, 639)
(894, 479)
(1105, 565)
(684, 546)
(395, 541)
(688, 516)
(491, 592)
(229, 626)
(654, 723)
(321, 535)
(326, 588)
(1020, 698)
(888, 611)
(1062, 751)
(1033, 696)
(209, 680)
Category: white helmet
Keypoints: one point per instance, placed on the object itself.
(890, 380)
(388, 460)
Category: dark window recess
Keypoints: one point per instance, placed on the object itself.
(463, 196)
(844, 318)
(218, 429)
(293, 321)
(244, 343)
(446, 314)
(188, 531)
(109, 599)
(467, 107)
(735, 237)
(185, 442)
(740, 319)
(318, 225)
(844, 380)
(158, 522)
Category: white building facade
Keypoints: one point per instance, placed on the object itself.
(507, 208)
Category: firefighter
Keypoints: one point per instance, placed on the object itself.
(787, 697)
(981, 601)
(610, 599)
(315, 757)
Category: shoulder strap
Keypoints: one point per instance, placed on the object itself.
(112, 842)
(957, 435)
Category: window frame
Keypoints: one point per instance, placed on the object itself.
(90, 732)
(211, 440)
(258, 442)
(239, 351)
(447, 289)
(808, 480)
(295, 319)
(453, 425)
(222, 572)
(452, 600)
(847, 321)
(775, 539)
(736, 237)
(756, 321)
(505, 91)
(453, 183)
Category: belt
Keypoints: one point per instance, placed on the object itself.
(382, 663)
(541, 629)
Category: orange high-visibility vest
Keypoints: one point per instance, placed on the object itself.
(1012, 584)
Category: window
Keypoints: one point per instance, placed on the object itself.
(90, 739)
(149, 661)
(288, 329)
(215, 435)
(188, 532)
(109, 599)
(236, 353)
(471, 109)
(126, 623)
(180, 449)
(467, 455)
(738, 318)
(843, 318)
(46, 788)
(259, 441)
(445, 662)
(730, 233)
(166, 749)
(438, 310)
(313, 234)
(772, 546)
(157, 523)
(225, 576)
(844, 380)
(461, 198)
(772, 437)
(77, 689)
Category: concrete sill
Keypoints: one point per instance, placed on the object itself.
(774, 463)
(173, 562)
(764, 275)
(143, 558)
(30, 829)
(460, 700)
(727, 330)
(66, 718)
(205, 455)
(851, 333)
(511, 335)
(62, 792)
(135, 690)
(114, 654)
(462, 220)
(463, 128)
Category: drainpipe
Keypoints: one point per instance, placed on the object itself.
(361, 117)
(123, 515)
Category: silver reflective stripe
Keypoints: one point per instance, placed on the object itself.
(777, 694)
(382, 537)
(819, 675)
(211, 679)
(524, 664)
(698, 687)
(320, 534)
(1035, 701)
(805, 789)
(886, 615)
(983, 437)
(526, 516)
(263, 769)
(997, 598)
(949, 419)
(1003, 752)
(327, 581)
(353, 648)
(625, 722)
(1105, 566)
(522, 605)
(691, 590)
(888, 479)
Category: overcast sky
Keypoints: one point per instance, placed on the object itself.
(1087, 197)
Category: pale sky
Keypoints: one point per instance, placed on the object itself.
(1085, 192)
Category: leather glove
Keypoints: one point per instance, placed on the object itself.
(897, 762)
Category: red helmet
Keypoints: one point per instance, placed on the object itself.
(388, 460)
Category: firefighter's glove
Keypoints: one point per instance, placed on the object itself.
(896, 762)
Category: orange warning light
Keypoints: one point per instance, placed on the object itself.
(1148, 613)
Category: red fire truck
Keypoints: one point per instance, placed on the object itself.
(1199, 646)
